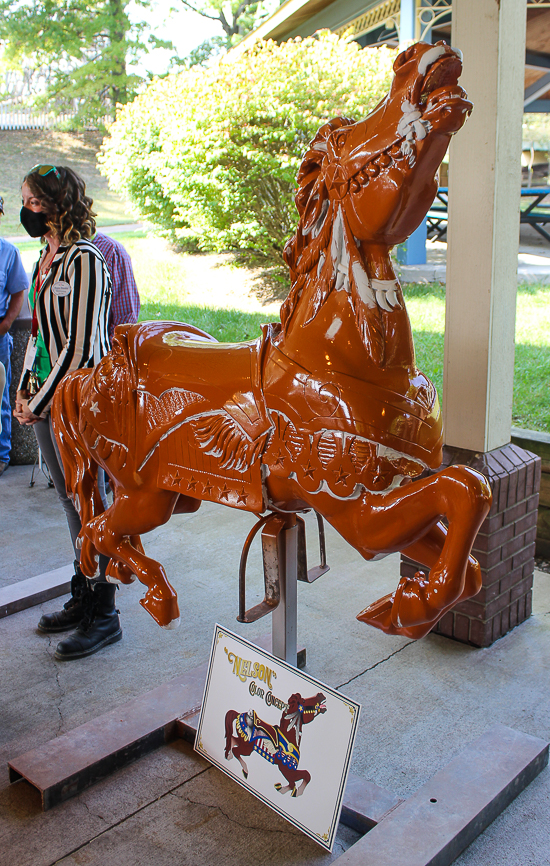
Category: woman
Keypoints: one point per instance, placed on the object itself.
(70, 297)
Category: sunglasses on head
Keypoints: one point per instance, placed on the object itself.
(43, 170)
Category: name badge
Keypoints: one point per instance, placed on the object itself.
(30, 355)
(61, 288)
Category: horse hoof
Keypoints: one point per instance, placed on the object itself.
(119, 573)
(378, 614)
(245, 774)
(277, 786)
(163, 610)
(110, 579)
(411, 608)
(294, 793)
(174, 624)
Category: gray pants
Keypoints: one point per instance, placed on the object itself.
(50, 453)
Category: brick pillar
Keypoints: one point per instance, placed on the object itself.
(504, 547)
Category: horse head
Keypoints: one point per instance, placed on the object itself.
(308, 708)
(365, 186)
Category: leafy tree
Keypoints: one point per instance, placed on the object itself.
(210, 156)
(236, 17)
(84, 46)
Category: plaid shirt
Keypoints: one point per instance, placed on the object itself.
(125, 303)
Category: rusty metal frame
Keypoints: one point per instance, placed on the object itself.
(271, 525)
(309, 575)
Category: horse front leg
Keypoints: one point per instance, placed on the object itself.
(413, 593)
(408, 520)
(464, 498)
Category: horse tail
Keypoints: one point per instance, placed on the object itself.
(79, 467)
(230, 717)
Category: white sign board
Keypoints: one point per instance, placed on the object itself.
(281, 734)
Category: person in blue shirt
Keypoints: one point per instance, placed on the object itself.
(13, 284)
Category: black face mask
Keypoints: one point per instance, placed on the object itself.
(34, 223)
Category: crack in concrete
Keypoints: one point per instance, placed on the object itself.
(375, 665)
(125, 818)
(94, 814)
(238, 823)
(61, 690)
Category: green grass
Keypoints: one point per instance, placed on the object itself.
(531, 404)
(227, 326)
(21, 149)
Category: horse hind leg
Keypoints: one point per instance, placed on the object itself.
(120, 573)
(242, 763)
(112, 534)
(292, 777)
(306, 779)
(283, 789)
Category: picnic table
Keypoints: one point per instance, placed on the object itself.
(532, 213)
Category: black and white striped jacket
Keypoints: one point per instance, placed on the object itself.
(72, 310)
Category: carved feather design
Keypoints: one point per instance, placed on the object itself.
(164, 409)
(363, 301)
(293, 440)
(219, 436)
(321, 293)
(362, 453)
(327, 448)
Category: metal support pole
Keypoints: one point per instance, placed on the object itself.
(284, 622)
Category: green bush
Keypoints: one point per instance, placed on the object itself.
(210, 155)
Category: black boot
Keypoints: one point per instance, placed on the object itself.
(99, 627)
(73, 610)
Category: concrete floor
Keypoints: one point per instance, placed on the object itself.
(421, 701)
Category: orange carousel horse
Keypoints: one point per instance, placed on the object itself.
(325, 411)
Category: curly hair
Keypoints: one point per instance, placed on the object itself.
(62, 194)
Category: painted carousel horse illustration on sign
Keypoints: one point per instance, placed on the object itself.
(279, 744)
(326, 410)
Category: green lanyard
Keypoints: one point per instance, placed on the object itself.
(42, 366)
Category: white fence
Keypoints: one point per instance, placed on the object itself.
(26, 118)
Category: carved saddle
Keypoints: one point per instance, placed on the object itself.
(201, 404)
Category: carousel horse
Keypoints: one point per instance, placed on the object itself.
(279, 744)
(326, 410)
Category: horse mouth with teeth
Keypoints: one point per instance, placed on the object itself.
(387, 164)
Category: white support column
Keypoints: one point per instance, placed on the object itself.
(407, 23)
(484, 196)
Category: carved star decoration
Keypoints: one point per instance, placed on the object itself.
(224, 494)
(94, 408)
(243, 496)
(192, 483)
(208, 487)
(309, 471)
(279, 458)
(341, 476)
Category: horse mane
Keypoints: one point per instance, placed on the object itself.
(323, 255)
